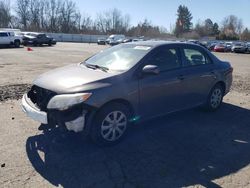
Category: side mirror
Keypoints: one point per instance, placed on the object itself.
(151, 69)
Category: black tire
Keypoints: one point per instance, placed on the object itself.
(17, 43)
(50, 43)
(213, 103)
(100, 124)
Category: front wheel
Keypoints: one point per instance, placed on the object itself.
(110, 124)
(215, 98)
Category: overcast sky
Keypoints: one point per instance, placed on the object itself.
(163, 12)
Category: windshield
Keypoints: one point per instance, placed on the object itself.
(119, 58)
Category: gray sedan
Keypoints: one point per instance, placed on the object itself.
(121, 85)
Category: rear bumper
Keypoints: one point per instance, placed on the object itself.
(32, 111)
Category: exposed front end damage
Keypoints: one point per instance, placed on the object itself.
(74, 118)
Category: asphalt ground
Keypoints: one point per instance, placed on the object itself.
(191, 148)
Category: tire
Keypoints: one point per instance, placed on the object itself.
(17, 43)
(50, 43)
(106, 132)
(215, 98)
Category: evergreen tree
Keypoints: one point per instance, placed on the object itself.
(183, 22)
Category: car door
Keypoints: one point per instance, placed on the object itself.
(161, 93)
(40, 39)
(198, 76)
(4, 38)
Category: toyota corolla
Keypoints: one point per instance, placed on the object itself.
(131, 82)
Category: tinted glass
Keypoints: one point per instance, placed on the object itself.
(3, 35)
(165, 59)
(119, 58)
(195, 57)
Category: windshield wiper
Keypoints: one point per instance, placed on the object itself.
(105, 69)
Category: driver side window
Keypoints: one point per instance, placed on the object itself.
(166, 59)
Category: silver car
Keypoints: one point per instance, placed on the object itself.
(105, 94)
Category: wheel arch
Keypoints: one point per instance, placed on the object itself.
(120, 101)
(17, 40)
(222, 84)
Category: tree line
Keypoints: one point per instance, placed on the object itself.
(64, 16)
(231, 27)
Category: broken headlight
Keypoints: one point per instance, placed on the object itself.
(65, 101)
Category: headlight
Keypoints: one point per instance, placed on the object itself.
(63, 102)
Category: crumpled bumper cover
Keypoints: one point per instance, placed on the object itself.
(32, 111)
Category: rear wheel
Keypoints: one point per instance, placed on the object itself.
(110, 124)
(17, 43)
(215, 98)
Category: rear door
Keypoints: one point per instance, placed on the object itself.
(162, 93)
(199, 74)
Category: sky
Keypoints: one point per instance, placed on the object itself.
(163, 12)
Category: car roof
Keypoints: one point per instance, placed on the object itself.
(160, 43)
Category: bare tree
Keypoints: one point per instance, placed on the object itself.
(23, 12)
(5, 15)
(112, 21)
(86, 24)
(35, 7)
(68, 16)
(232, 25)
(52, 15)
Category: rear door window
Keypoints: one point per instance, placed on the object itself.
(195, 57)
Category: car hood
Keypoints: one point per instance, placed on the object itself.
(73, 78)
(29, 37)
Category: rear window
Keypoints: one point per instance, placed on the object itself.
(195, 57)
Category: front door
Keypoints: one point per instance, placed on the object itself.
(162, 93)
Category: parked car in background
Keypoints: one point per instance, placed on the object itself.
(115, 39)
(105, 94)
(220, 48)
(239, 47)
(9, 38)
(127, 40)
(101, 41)
(211, 46)
(248, 47)
(38, 39)
(229, 46)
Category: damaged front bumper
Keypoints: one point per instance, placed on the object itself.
(73, 119)
(32, 111)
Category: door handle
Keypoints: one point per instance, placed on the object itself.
(212, 71)
(180, 77)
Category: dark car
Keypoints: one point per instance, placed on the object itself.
(38, 39)
(127, 83)
(248, 47)
(127, 40)
(101, 41)
(239, 48)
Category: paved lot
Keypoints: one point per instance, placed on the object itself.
(185, 149)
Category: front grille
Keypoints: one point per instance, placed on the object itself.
(40, 97)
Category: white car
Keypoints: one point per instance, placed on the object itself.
(10, 38)
(115, 39)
